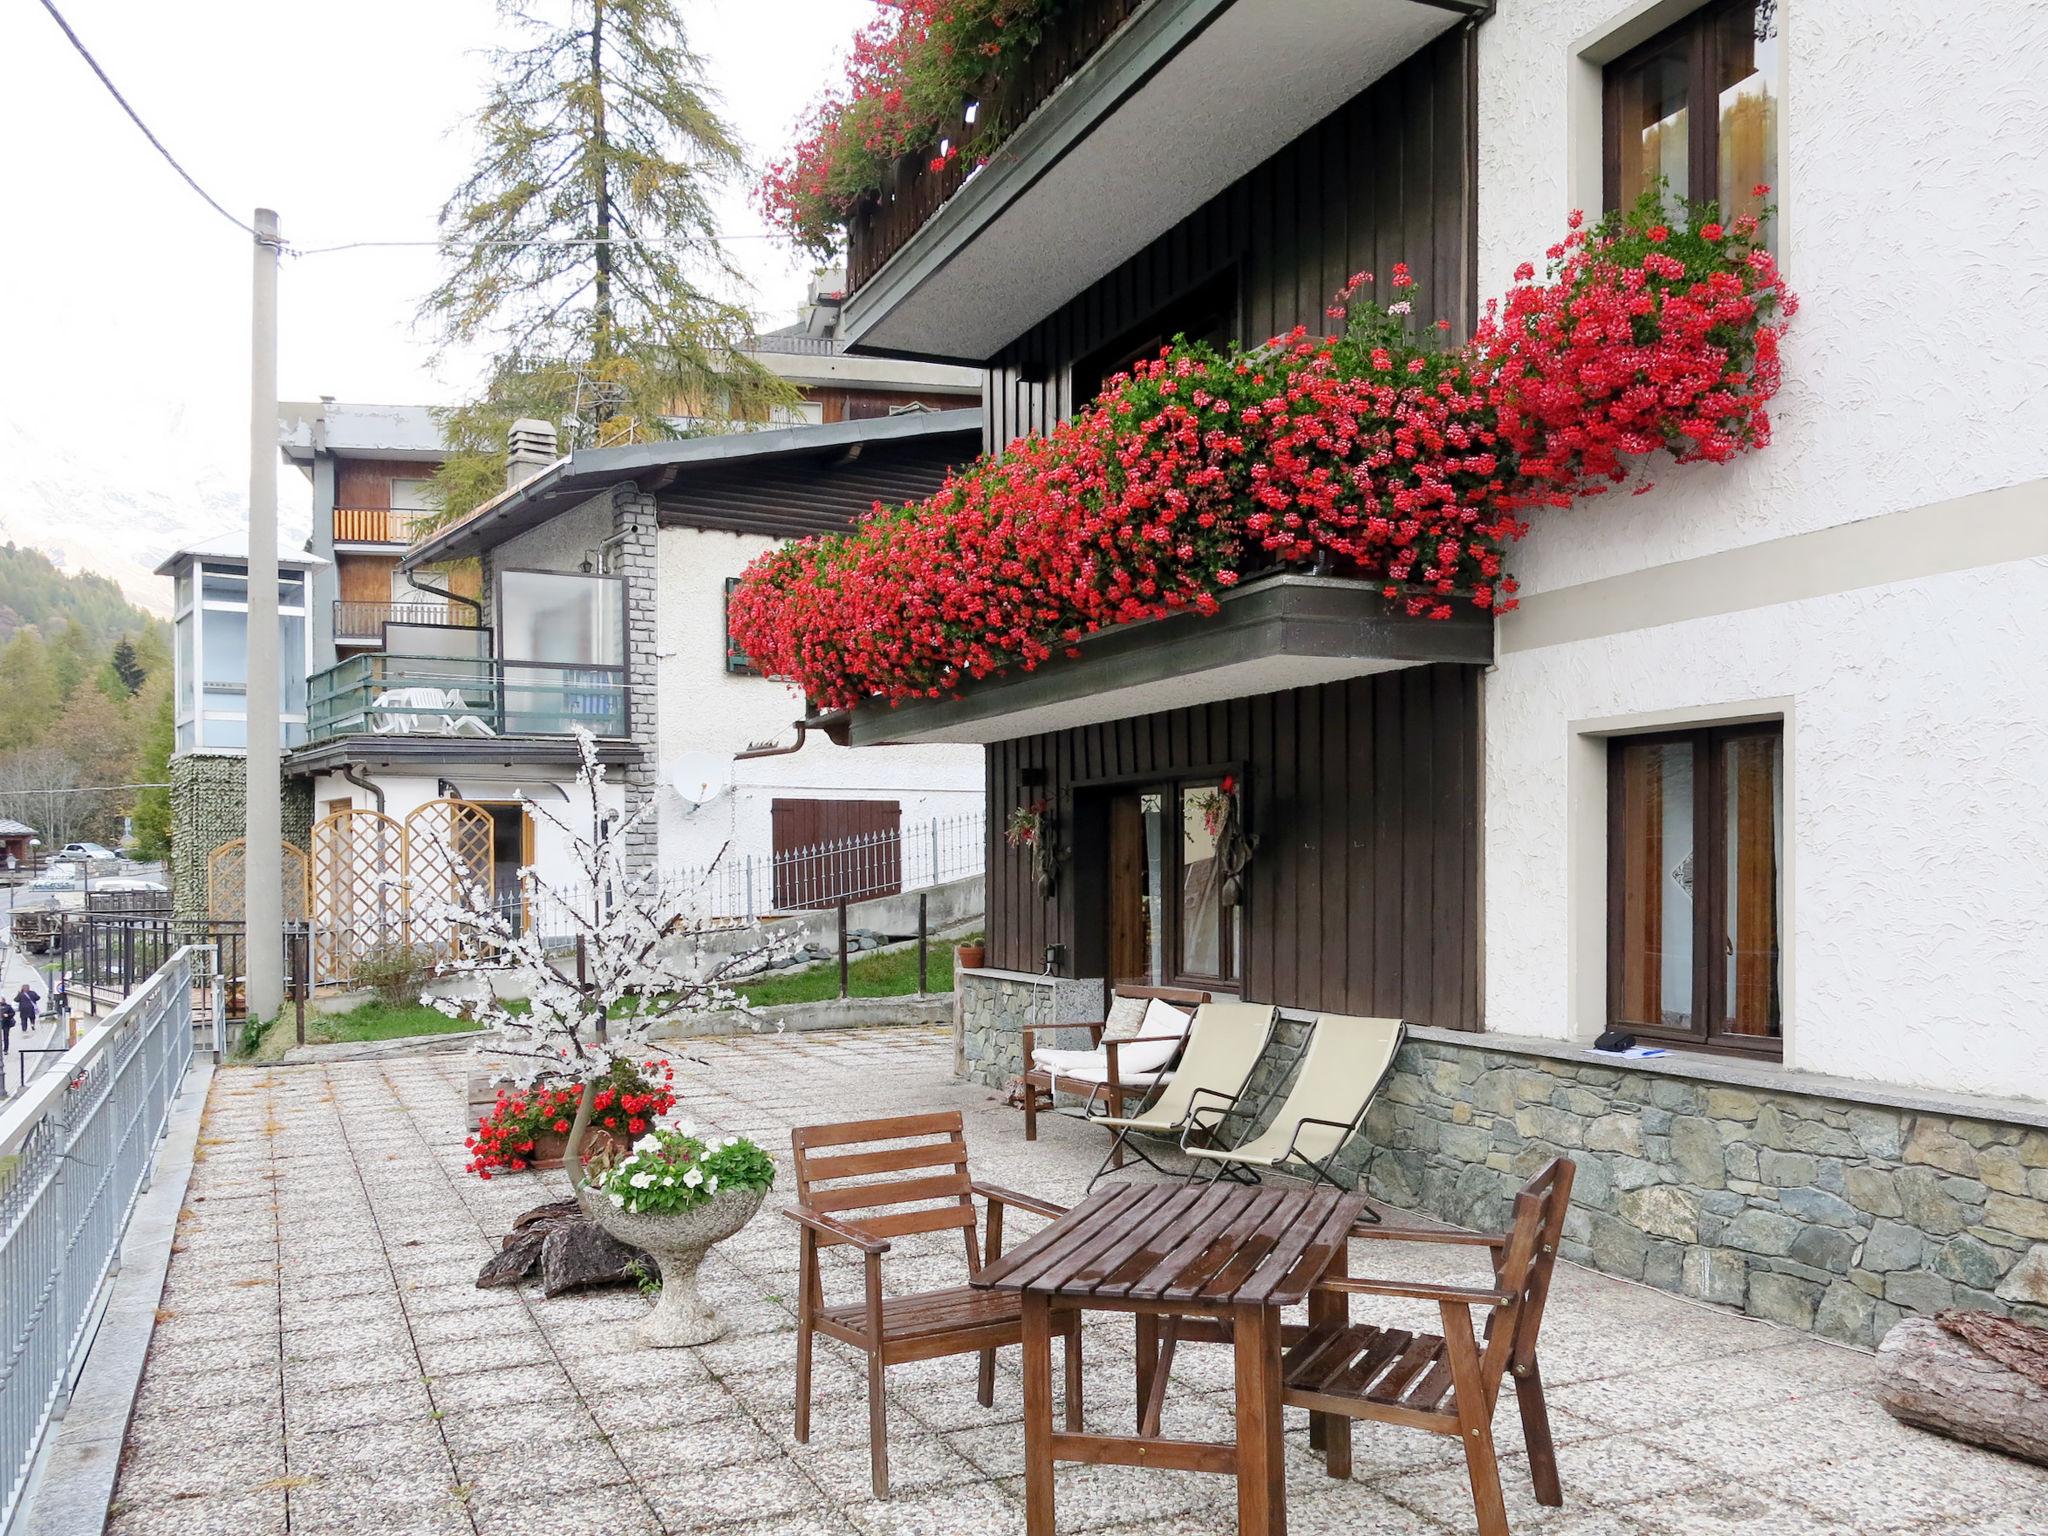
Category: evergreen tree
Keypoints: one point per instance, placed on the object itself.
(583, 246)
(127, 667)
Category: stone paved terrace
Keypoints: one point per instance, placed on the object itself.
(324, 1362)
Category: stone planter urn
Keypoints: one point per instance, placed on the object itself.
(678, 1241)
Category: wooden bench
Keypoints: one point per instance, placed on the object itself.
(1035, 1082)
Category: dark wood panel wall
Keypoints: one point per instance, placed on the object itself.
(1364, 892)
(1387, 177)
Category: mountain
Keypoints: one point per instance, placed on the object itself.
(34, 591)
(115, 507)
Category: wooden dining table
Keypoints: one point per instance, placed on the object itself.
(1226, 1255)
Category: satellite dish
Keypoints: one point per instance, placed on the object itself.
(700, 776)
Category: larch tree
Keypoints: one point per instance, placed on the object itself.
(582, 250)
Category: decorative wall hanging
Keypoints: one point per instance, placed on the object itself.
(1030, 828)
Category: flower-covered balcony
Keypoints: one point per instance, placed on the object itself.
(1012, 174)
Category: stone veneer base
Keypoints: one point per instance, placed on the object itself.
(1827, 1205)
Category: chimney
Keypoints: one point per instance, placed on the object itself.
(530, 449)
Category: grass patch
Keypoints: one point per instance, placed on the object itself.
(381, 1021)
(887, 975)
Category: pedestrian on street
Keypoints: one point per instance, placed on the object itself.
(25, 1006)
(6, 1023)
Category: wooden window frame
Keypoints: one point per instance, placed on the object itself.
(1703, 129)
(737, 662)
(1709, 908)
(1170, 788)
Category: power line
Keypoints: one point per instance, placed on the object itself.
(136, 117)
(476, 245)
(77, 789)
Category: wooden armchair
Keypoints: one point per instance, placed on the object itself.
(1445, 1383)
(1117, 1090)
(840, 1201)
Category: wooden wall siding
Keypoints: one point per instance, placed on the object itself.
(1365, 796)
(1387, 177)
(367, 482)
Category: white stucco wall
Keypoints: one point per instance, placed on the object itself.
(704, 708)
(1915, 187)
(554, 790)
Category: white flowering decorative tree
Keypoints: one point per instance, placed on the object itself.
(629, 948)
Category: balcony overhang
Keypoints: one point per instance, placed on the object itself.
(1283, 632)
(424, 753)
(1185, 98)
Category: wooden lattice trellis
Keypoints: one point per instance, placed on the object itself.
(227, 870)
(358, 889)
(448, 856)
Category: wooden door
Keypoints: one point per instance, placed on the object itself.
(828, 851)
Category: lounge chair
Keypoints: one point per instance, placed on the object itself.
(1225, 1042)
(1347, 1060)
(1127, 1058)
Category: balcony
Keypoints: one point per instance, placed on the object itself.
(1129, 117)
(376, 525)
(363, 623)
(457, 698)
(883, 225)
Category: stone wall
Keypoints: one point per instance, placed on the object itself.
(207, 810)
(1818, 1205)
(1837, 1215)
(633, 557)
(996, 1005)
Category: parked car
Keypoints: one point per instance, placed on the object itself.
(92, 853)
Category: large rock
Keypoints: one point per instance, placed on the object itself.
(1930, 1377)
(566, 1249)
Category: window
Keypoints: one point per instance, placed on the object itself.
(1697, 104)
(562, 618)
(1695, 850)
(1207, 313)
(735, 658)
(212, 658)
(1167, 921)
(410, 496)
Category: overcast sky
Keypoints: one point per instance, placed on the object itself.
(126, 317)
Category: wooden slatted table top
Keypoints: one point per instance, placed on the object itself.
(1212, 1245)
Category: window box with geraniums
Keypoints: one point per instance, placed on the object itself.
(529, 1128)
(1382, 454)
(675, 1194)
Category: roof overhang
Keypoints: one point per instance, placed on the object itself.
(1185, 98)
(1282, 632)
(425, 754)
(571, 481)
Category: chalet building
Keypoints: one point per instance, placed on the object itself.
(1753, 771)
(433, 684)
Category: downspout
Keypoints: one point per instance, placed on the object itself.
(455, 597)
(832, 727)
(356, 777)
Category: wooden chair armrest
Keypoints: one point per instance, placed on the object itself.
(1391, 1234)
(1418, 1290)
(995, 1194)
(1031, 1032)
(839, 1231)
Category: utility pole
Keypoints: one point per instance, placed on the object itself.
(262, 864)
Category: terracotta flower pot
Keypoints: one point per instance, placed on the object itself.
(551, 1148)
(969, 957)
(677, 1241)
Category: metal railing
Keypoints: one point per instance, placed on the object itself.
(366, 621)
(76, 1148)
(375, 525)
(856, 868)
(385, 695)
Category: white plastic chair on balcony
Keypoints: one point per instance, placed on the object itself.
(394, 712)
(459, 721)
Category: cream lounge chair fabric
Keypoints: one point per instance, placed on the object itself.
(1347, 1060)
(1224, 1044)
